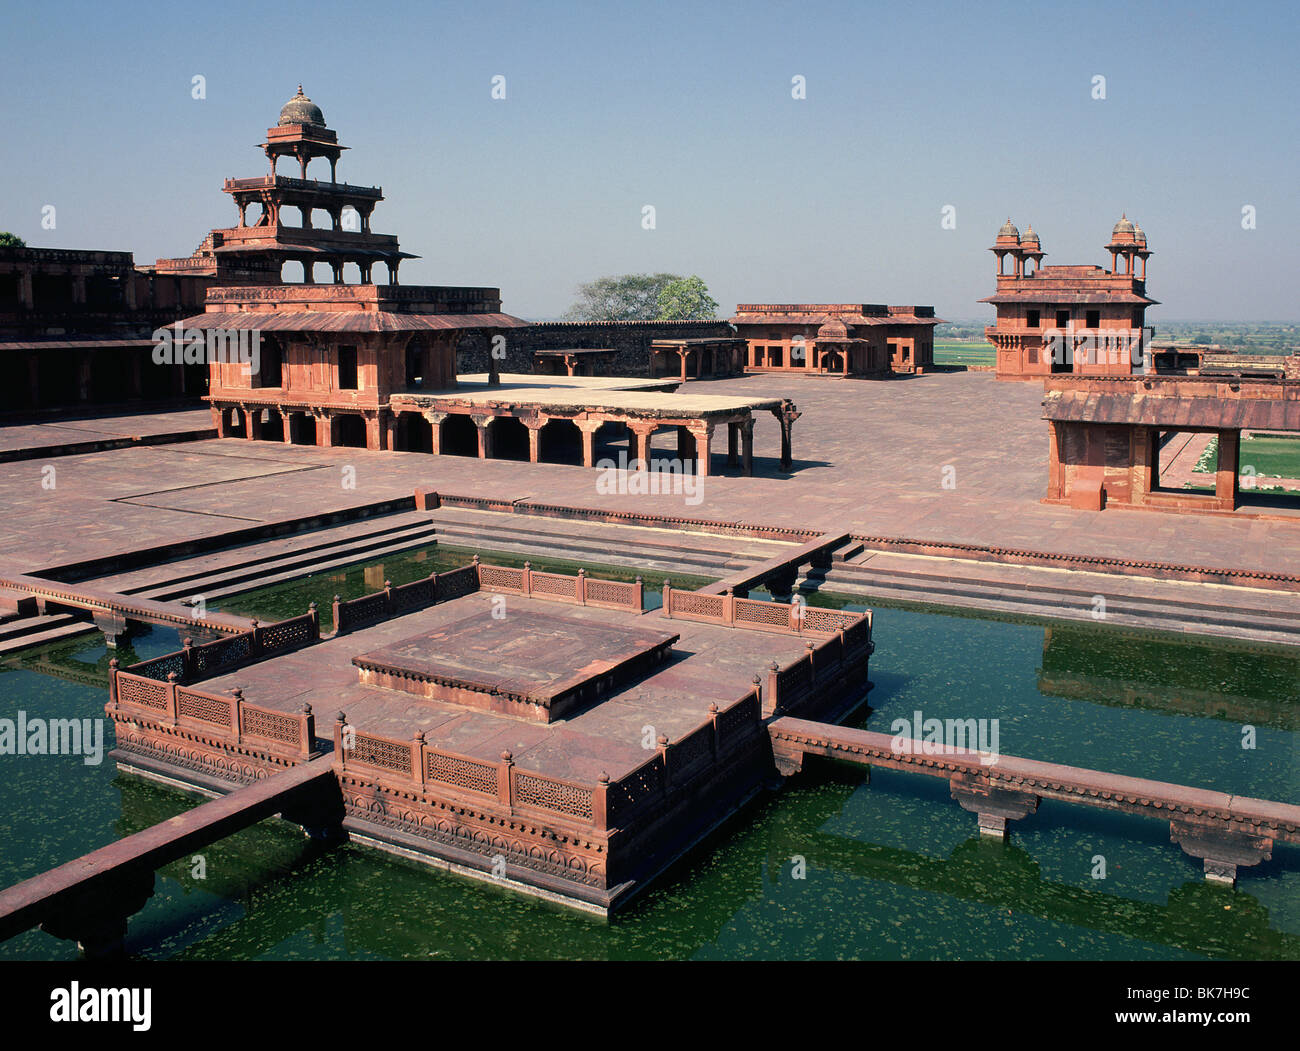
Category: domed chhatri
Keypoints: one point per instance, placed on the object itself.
(1030, 238)
(300, 110)
(1009, 230)
(1123, 230)
(1137, 232)
(833, 328)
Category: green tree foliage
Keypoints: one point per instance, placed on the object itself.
(687, 299)
(629, 297)
(8, 240)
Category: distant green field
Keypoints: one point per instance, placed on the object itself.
(954, 352)
(1274, 457)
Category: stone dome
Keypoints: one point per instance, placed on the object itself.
(1009, 230)
(1123, 229)
(300, 110)
(1030, 237)
(833, 328)
(1137, 232)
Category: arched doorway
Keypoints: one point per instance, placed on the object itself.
(414, 434)
(560, 442)
(350, 431)
(459, 436)
(509, 438)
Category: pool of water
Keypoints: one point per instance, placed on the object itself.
(836, 865)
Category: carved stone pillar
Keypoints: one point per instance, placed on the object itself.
(702, 438)
(1226, 479)
(484, 425)
(535, 438)
(435, 429)
(787, 414)
(374, 430)
(641, 436)
(588, 429)
(685, 444)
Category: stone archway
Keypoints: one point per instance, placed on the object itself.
(560, 441)
(459, 436)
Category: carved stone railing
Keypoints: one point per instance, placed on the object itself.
(676, 765)
(193, 663)
(228, 717)
(795, 618)
(790, 685)
(391, 601)
(416, 765)
(561, 587)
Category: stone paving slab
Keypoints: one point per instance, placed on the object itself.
(870, 457)
(69, 430)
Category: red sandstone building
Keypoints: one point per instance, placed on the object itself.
(331, 355)
(1079, 319)
(1107, 434)
(76, 329)
(839, 339)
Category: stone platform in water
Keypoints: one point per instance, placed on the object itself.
(445, 749)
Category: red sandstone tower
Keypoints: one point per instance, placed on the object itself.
(1080, 319)
(330, 355)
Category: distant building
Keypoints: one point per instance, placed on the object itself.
(840, 339)
(75, 329)
(1079, 319)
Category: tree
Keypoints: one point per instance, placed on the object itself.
(8, 240)
(686, 299)
(629, 297)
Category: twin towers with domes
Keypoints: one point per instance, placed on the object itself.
(1127, 243)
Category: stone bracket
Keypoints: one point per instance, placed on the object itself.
(1222, 850)
(994, 807)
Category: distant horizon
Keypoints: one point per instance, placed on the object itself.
(823, 165)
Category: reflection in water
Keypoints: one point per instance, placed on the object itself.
(893, 869)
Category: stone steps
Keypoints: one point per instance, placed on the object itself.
(531, 536)
(244, 576)
(23, 632)
(370, 554)
(1061, 602)
(320, 543)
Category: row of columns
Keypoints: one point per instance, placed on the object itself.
(694, 443)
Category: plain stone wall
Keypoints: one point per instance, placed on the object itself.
(630, 339)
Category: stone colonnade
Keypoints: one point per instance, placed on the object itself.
(381, 430)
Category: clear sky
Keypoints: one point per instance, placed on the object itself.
(987, 107)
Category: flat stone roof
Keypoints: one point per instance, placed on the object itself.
(599, 393)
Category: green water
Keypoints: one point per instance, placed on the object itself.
(892, 867)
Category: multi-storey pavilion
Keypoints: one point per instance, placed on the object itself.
(844, 339)
(1080, 319)
(329, 355)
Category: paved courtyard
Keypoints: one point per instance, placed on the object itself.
(871, 457)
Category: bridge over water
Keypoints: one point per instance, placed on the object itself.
(88, 900)
(1225, 831)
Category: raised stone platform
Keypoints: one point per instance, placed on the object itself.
(530, 665)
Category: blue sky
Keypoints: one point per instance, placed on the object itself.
(688, 107)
